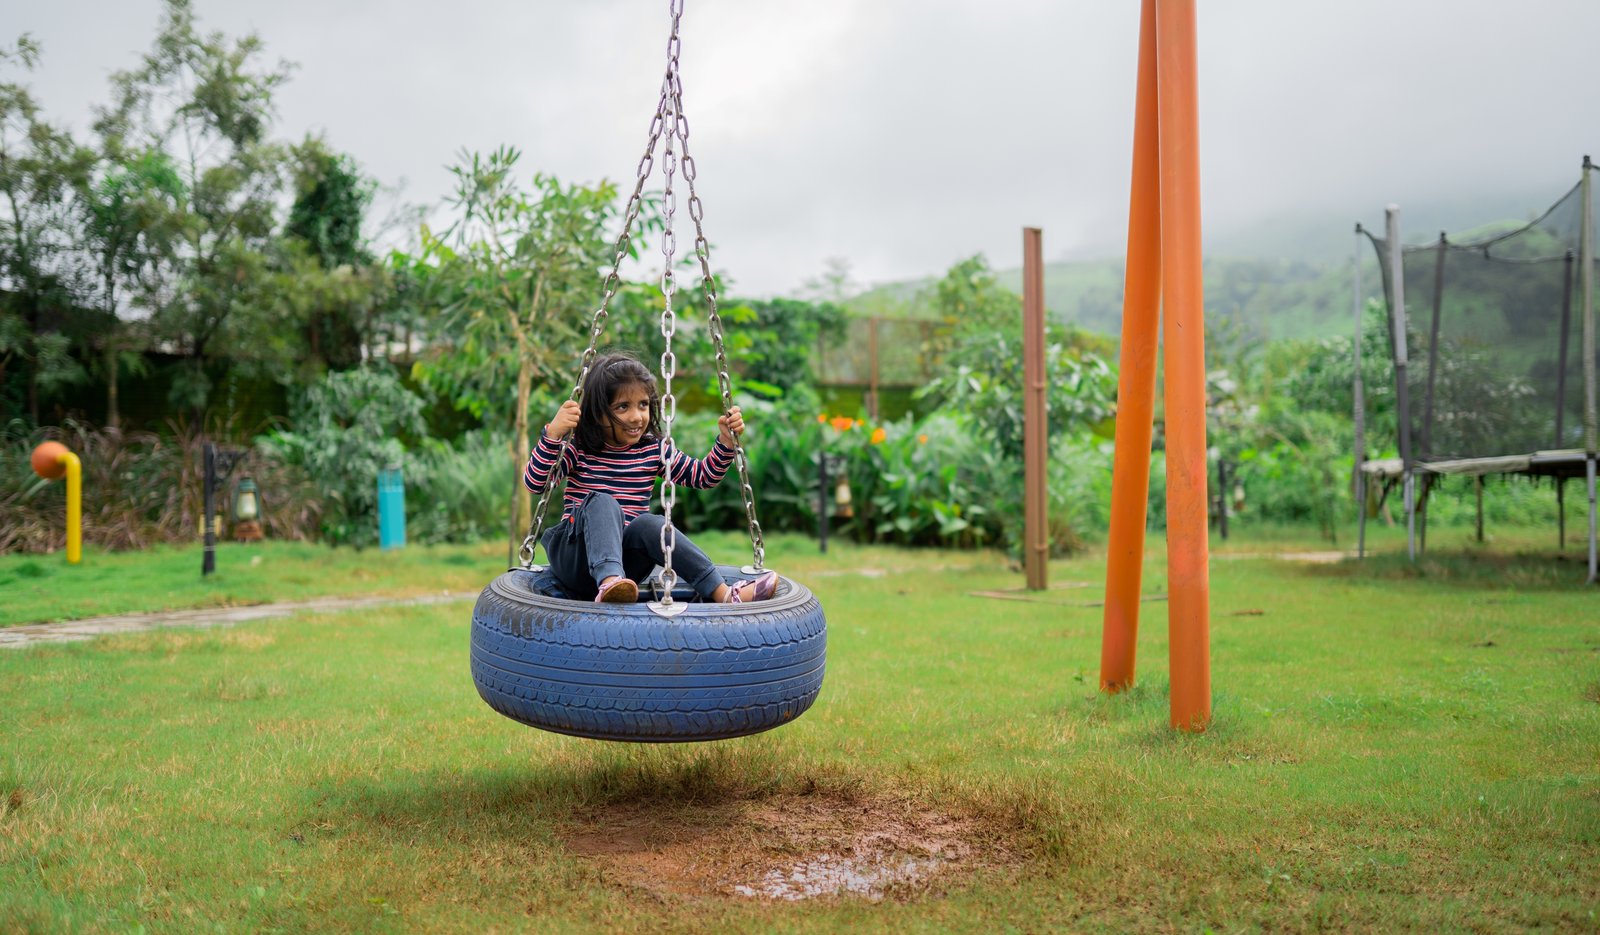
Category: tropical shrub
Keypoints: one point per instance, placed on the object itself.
(347, 427)
(461, 491)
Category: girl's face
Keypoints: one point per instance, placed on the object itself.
(628, 415)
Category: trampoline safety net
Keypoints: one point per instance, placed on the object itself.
(1495, 338)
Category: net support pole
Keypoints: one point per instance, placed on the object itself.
(1591, 420)
(1563, 340)
(1590, 417)
(1561, 514)
(1036, 427)
(1561, 394)
(1397, 293)
(1183, 342)
(1589, 469)
(1426, 448)
(1136, 381)
(1358, 483)
(1477, 488)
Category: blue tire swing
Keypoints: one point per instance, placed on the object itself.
(668, 668)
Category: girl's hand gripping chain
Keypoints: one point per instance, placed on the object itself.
(730, 424)
(564, 421)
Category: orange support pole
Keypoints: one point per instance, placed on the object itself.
(1182, 299)
(1136, 384)
(1163, 284)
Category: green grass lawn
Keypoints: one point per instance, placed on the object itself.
(41, 588)
(1392, 748)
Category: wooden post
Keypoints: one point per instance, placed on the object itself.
(1222, 499)
(1136, 381)
(1036, 427)
(872, 351)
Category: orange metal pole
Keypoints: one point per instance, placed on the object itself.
(1136, 385)
(1036, 424)
(1188, 577)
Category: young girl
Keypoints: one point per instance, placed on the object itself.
(607, 539)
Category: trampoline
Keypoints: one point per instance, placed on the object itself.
(1492, 341)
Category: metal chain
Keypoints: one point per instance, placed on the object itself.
(702, 249)
(669, 324)
(609, 287)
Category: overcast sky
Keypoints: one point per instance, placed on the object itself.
(904, 135)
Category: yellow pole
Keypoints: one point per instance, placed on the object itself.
(1188, 572)
(74, 507)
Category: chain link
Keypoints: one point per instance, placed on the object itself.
(702, 249)
(669, 325)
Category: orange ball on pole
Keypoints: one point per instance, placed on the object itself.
(53, 461)
(47, 460)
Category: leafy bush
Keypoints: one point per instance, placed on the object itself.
(348, 427)
(932, 481)
(461, 492)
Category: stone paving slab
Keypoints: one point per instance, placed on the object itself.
(32, 634)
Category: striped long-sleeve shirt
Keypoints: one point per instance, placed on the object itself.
(629, 474)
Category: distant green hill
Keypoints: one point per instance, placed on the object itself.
(1284, 277)
(1269, 298)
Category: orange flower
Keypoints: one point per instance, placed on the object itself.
(822, 417)
(842, 423)
(922, 439)
(878, 435)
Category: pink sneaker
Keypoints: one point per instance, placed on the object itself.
(763, 588)
(619, 591)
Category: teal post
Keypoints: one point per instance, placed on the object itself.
(391, 509)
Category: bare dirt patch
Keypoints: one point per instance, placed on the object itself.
(788, 847)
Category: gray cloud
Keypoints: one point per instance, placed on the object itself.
(906, 135)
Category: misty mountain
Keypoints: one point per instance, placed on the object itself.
(1284, 277)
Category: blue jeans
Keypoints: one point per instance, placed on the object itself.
(599, 542)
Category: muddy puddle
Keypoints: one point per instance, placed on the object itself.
(787, 848)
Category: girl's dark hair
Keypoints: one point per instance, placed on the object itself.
(607, 375)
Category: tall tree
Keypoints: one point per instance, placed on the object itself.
(128, 222)
(206, 100)
(513, 282)
(331, 200)
(38, 168)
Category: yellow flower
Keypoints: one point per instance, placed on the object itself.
(922, 439)
(878, 435)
